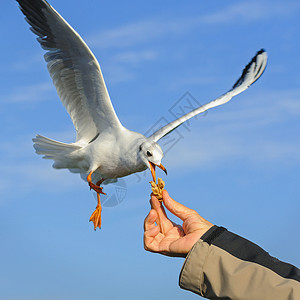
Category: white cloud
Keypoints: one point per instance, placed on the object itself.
(22, 167)
(116, 73)
(135, 57)
(210, 150)
(259, 109)
(23, 171)
(31, 176)
(248, 11)
(36, 92)
(248, 133)
(135, 33)
(119, 67)
(141, 32)
(25, 64)
(185, 82)
(252, 11)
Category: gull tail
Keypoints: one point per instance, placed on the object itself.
(59, 152)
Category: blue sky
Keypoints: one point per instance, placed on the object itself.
(238, 165)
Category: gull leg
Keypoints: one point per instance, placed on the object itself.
(96, 215)
(96, 187)
(99, 182)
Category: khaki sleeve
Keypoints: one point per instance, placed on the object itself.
(214, 273)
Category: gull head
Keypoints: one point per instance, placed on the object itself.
(151, 154)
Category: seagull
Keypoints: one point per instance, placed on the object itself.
(104, 149)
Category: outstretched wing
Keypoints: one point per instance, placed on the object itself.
(250, 74)
(74, 69)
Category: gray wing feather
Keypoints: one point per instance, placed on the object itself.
(250, 74)
(75, 71)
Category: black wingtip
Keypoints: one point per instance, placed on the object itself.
(262, 50)
(246, 69)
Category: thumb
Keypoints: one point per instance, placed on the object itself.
(176, 208)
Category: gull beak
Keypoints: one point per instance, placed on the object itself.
(152, 169)
(163, 168)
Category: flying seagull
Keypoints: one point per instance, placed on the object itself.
(104, 149)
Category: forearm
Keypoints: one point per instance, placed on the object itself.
(222, 264)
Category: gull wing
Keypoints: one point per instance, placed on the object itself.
(74, 69)
(250, 74)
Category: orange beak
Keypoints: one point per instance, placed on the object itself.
(152, 169)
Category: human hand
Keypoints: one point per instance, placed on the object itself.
(169, 238)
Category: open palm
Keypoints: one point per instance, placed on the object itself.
(167, 237)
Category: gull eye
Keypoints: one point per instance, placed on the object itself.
(149, 153)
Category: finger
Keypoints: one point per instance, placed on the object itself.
(152, 239)
(164, 221)
(155, 204)
(152, 232)
(176, 208)
(149, 222)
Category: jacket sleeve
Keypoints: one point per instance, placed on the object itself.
(223, 265)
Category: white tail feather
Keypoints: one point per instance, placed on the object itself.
(52, 149)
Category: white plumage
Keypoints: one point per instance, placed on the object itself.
(104, 148)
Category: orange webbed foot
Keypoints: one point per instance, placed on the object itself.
(96, 217)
